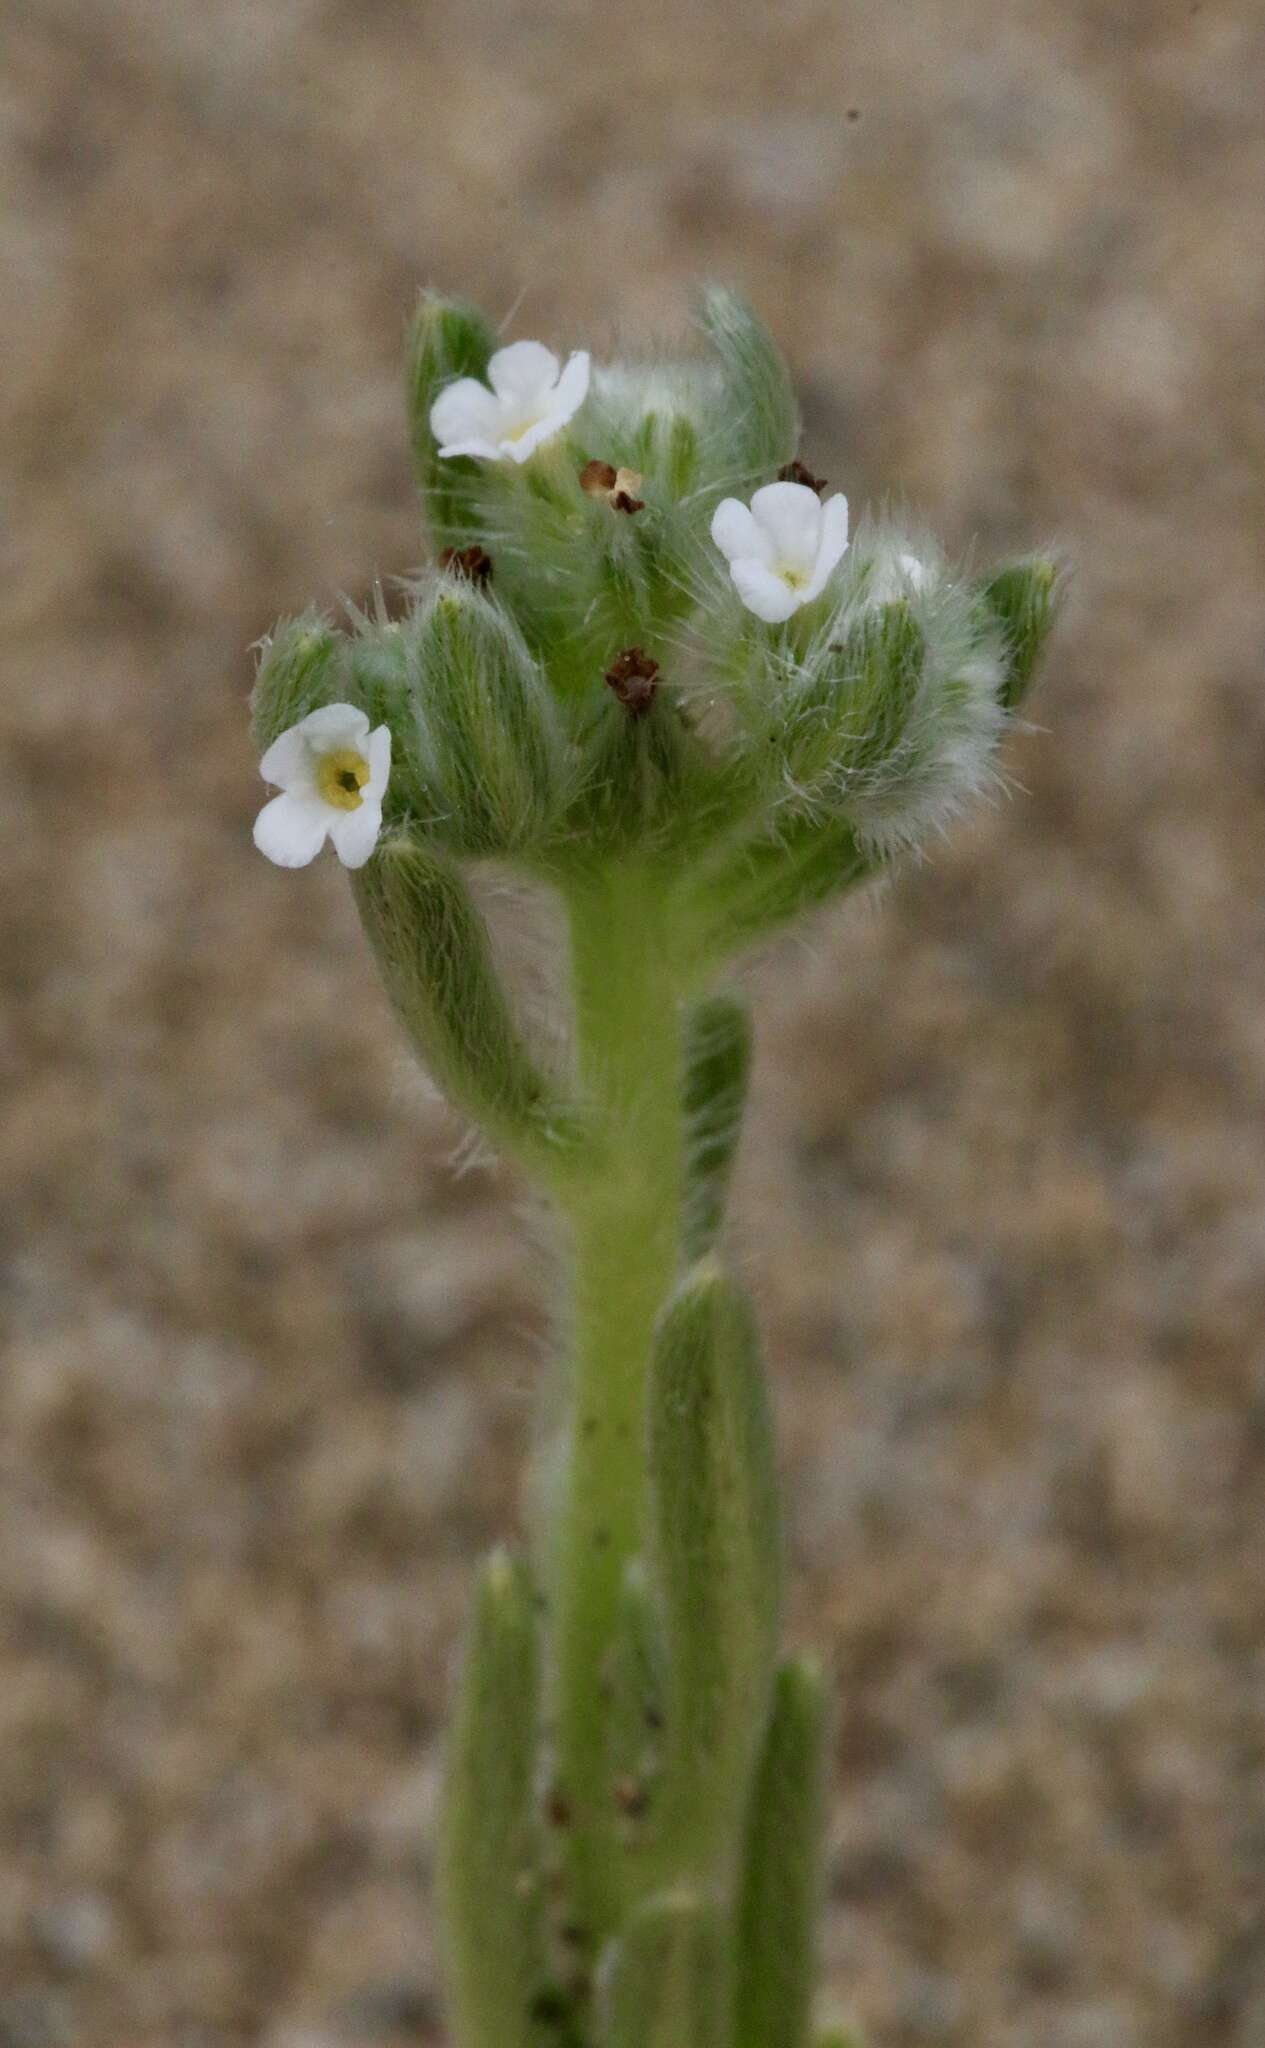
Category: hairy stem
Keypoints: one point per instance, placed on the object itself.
(626, 1219)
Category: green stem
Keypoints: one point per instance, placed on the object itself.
(626, 1219)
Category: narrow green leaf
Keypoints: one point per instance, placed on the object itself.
(717, 1066)
(719, 1560)
(488, 1872)
(781, 1883)
(432, 948)
(664, 1982)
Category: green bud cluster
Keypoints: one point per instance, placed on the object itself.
(630, 1847)
(872, 709)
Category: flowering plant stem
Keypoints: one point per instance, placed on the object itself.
(694, 718)
(625, 1211)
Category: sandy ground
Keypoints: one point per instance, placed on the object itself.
(269, 1359)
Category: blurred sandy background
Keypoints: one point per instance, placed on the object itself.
(269, 1360)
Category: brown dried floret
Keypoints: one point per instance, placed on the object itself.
(634, 678)
(619, 487)
(474, 563)
(798, 472)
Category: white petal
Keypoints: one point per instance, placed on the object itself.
(379, 764)
(736, 534)
(291, 830)
(288, 761)
(465, 411)
(791, 516)
(334, 725)
(355, 833)
(764, 593)
(486, 451)
(833, 544)
(524, 370)
(572, 388)
(526, 443)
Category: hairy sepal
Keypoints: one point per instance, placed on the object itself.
(485, 729)
(754, 425)
(1023, 597)
(447, 339)
(578, 576)
(892, 719)
(433, 950)
(302, 667)
(765, 880)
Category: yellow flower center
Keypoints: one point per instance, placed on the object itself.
(341, 776)
(794, 579)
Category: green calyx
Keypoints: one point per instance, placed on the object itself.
(1023, 598)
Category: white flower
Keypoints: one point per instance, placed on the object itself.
(332, 773)
(782, 547)
(530, 401)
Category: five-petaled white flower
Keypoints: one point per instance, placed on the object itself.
(530, 401)
(332, 773)
(781, 547)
